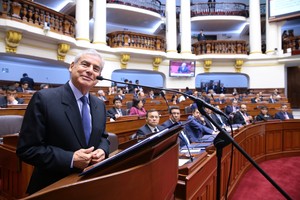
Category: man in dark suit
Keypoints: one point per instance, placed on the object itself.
(28, 80)
(116, 111)
(63, 130)
(183, 68)
(174, 118)
(242, 117)
(152, 124)
(283, 114)
(195, 129)
(10, 98)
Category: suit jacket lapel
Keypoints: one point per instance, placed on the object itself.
(71, 107)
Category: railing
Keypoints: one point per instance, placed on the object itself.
(220, 47)
(222, 8)
(37, 15)
(154, 6)
(135, 40)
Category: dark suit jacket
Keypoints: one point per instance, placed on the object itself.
(261, 117)
(145, 130)
(280, 115)
(239, 119)
(195, 130)
(113, 111)
(52, 131)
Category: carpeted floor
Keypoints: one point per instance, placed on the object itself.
(285, 172)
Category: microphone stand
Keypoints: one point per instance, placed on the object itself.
(221, 141)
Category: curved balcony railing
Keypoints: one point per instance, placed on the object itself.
(135, 40)
(220, 47)
(37, 15)
(219, 8)
(153, 5)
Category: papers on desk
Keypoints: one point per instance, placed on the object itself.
(183, 161)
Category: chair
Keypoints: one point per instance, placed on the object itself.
(10, 124)
(114, 142)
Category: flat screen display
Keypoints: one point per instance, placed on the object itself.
(179, 68)
(283, 9)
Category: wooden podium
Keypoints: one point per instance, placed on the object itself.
(146, 171)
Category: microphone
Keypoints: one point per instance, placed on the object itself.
(164, 96)
(212, 96)
(187, 147)
(200, 103)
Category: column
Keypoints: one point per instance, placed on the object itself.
(171, 32)
(99, 22)
(185, 26)
(254, 27)
(82, 18)
(271, 34)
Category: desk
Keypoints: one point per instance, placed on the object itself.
(262, 141)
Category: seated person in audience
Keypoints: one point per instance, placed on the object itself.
(112, 90)
(242, 117)
(234, 92)
(23, 88)
(283, 114)
(257, 99)
(188, 91)
(10, 98)
(230, 110)
(221, 99)
(44, 86)
(174, 118)
(137, 108)
(141, 95)
(120, 94)
(273, 98)
(237, 97)
(196, 94)
(116, 111)
(263, 115)
(208, 123)
(174, 99)
(223, 120)
(152, 124)
(181, 98)
(195, 129)
(101, 95)
(205, 97)
(222, 89)
(151, 95)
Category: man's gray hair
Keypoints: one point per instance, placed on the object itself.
(90, 52)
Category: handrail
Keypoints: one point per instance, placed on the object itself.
(135, 40)
(220, 47)
(37, 15)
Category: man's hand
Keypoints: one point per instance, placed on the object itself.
(97, 156)
(82, 157)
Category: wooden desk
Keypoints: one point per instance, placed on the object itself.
(262, 141)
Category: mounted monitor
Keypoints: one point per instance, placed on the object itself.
(182, 68)
(280, 10)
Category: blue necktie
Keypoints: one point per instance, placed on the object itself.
(86, 119)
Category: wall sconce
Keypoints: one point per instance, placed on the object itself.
(124, 60)
(155, 63)
(238, 65)
(207, 65)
